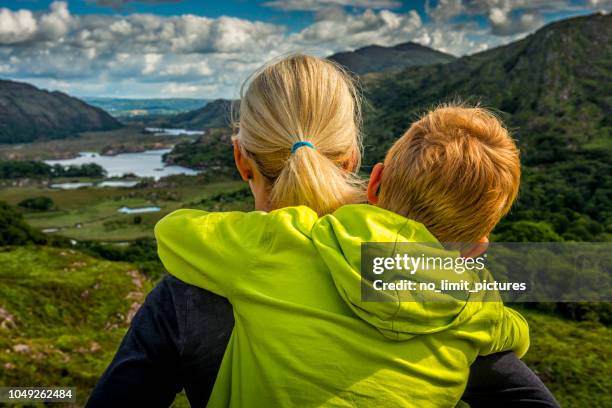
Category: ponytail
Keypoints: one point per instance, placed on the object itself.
(309, 178)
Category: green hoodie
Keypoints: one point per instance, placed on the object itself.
(302, 336)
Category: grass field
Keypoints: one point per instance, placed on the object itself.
(62, 316)
(574, 359)
(91, 213)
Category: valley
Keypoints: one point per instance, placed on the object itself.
(91, 213)
(123, 140)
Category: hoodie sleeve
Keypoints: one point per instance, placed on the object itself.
(208, 249)
(511, 333)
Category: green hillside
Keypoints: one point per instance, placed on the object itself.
(213, 150)
(573, 359)
(63, 314)
(28, 113)
(553, 90)
(553, 87)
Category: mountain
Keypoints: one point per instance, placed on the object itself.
(215, 114)
(553, 90)
(28, 113)
(376, 58)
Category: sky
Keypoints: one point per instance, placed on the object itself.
(206, 49)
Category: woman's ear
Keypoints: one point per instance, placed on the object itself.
(242, 163)
(374, 183)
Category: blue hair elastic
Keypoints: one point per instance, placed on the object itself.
(301, 143)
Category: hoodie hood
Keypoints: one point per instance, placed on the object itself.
(398, 315)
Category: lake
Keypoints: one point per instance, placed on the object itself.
(128, 210)
(174, 132)
(144, 164)
(71, 185)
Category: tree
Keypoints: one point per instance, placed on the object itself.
(14, 230)
(526, 231)
(37, 203)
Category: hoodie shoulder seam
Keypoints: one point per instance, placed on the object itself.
(399, 303)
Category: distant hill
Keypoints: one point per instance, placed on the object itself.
(553, 85)
(211, 151)
(129, 107)
(215, 114)
(28, 113)
(376, 58)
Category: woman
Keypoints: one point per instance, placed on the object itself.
(299, 98)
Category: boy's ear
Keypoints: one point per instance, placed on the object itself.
(374, 183)
(242, 163)
(477, 249)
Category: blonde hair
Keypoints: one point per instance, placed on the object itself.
(456, 170)
(303, 98)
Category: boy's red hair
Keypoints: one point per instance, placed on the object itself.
(456, 170)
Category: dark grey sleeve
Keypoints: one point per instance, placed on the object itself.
(503, 381)
(146, 368)
(176, 341)
(207, 326)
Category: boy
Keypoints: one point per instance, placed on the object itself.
(302, 335)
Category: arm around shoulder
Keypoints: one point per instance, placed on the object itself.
(208, 249)
(511, 333)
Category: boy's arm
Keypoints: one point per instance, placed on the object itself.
(207, 249)
(511, 333)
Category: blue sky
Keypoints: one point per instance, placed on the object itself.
(251, 10)
(204, 49)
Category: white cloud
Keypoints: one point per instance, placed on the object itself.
(16, 26)
(507, 17)
(57, 23)
(503, 23)
(600, 5)
(151, 55)
(136, 53)
(145, 54)
(356, 30)
(445, 9)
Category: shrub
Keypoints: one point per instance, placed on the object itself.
(37, 203)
